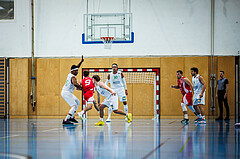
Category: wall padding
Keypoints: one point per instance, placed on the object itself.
(18, 87)
(48, 93)
(170, 97)
(52, 73)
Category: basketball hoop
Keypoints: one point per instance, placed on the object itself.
(107, 41)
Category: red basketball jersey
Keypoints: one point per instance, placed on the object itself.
(87, 84)
(184, 88)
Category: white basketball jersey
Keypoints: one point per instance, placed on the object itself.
(69, 87)
(115, 80)
(103, 92)
(197, 85)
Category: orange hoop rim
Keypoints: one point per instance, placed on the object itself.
(107, 38)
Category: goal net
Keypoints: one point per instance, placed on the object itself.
(143, 76)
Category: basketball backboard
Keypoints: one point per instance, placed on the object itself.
(117, 25)
(99, 24)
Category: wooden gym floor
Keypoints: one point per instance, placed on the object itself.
(168, 138)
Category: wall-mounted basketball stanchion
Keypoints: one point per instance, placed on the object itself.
(33, 78)
(213, 92)
(212, 80)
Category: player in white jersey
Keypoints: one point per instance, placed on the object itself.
(118, 84)
(109, 101)
(199, 87)
(67, 93)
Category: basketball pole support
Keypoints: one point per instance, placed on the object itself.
(213, 76)
(33, 78)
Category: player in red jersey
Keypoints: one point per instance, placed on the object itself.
(88, 90)
(186, 88)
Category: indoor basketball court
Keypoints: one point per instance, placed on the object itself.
(119, 79)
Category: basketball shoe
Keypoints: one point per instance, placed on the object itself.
(80, 115)
(185, 121)
(129, 117)
(99, 123)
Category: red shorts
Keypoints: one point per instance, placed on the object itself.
(187, 99)
(87, 95)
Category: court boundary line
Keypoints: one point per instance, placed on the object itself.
(151, 152)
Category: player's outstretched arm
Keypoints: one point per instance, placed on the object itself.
(176, 87)
(101, 84)
(80, 63)
(108, 79)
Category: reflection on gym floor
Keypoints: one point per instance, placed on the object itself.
(167, 138)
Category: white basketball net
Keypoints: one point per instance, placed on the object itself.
(107, 41)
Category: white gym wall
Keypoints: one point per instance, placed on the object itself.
(172, 27)
(15, 35)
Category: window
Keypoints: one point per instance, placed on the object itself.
(6, 9)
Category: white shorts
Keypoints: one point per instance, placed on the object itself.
(121, 94)
(197, 100)
(111, 101)
(71, 99)
(90, 100)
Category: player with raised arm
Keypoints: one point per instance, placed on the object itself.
(199, 87)
(67, 93)
(109, 101)
(118, 84)
(186, 88)
(88, 90)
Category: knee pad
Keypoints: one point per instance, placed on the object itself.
(184, 108)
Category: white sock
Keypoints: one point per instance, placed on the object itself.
(109, 112)
(76, 107)
(82, 112)
(126, 108)
(73, 114)
(70, 113)
(67, 117)
(101, 119)
(185, 116)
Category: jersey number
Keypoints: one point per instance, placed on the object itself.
(87, 82)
